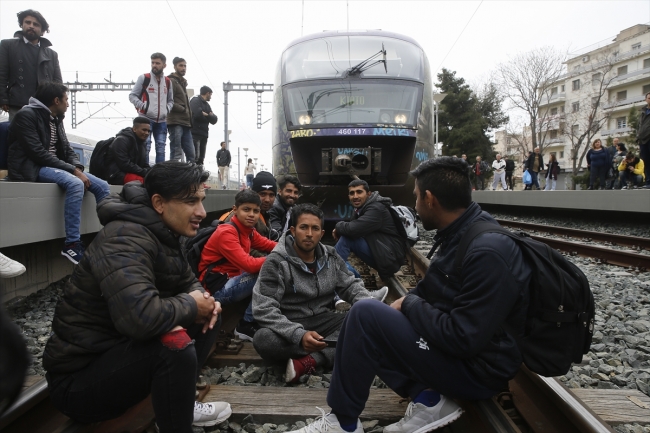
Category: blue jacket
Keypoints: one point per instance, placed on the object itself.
(475, 316)
(599, 158)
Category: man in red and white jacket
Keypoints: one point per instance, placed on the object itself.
(153, 97)
(228, 271)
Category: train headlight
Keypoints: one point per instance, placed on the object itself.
(305, 119)
(384, 118)
(400, 118)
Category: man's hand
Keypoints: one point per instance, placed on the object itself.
(335, 235)
(397, 304)
(5, 108)
(207, 307)
(631, 168)
(311, 342)
(80, 174)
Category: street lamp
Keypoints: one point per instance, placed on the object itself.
(437, 99)
(245, 157)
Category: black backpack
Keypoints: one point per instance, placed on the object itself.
(560, 320)
(99, 159)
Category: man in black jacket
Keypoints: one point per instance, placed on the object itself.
(479, 169)
(288, 194)
(39, 152)
(510, 169)
(643, 138)
(26, 61)
(223, 161)
(179, 119)
(202, 117)
(134, 319)
(127, 154)
(534, 165)
(371, 234)
(453, 336)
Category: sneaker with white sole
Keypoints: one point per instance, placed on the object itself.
(209, 414)
(327, 423)
(420, 418)
(73, 252)
(380, 294)
(10, 268)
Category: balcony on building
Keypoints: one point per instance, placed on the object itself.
(624, 104)
(616, 131)
(631, 77)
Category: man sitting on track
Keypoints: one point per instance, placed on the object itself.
(450, 337)
(119, 332)
(294, 291)
(371, 234)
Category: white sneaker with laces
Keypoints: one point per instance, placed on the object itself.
(420, 418)
(327, 423)
(10, 268)
(209, 414)
(380, 294)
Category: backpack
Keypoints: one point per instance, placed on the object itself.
(144, 96)
(560, 319)
(404, 218)
(99, 159)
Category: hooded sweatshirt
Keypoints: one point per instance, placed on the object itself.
(133, 282)
(126, 154)
(287, 290)
(375, 224)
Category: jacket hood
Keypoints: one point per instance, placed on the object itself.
(285, 249)
(375, 197)
(134, 205)
(35, 103)
(128, 133)
(44, 42)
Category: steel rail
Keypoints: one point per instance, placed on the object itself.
(27, 399)
(632, 241)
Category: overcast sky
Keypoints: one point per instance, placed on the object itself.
(242, 41)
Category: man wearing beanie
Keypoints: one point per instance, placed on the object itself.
(179, 120)
(264, 185)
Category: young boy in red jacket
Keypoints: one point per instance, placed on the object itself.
(228, 271)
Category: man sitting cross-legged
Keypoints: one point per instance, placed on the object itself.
(119, 331)
(293, 294)
(451, 336)
(228, 271)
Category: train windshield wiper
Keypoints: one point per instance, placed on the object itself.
(364, 65)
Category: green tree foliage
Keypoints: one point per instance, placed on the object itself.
(466, 117)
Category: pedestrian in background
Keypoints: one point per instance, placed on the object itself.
(510, 169)
(202, 117)
(619, 156)
(643, 138)
(534, 166)
(223, 161)
(479, 169)
(249, 172)
(598, 162)
(179, 120)
(552, 170)
(499, 167)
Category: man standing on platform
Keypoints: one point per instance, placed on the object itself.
(534, 165)
(179, 120)
(510, 169)
(499, 167)
(223, 161)
(153, 97)
(643, 138)
(479, 169)
(202, 117)
(26, 61)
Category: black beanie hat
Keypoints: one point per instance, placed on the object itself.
(264, 181)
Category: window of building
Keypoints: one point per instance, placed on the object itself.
(646, 63)
(553, 111)
(621, 122)
(596, 79)
(561, 108)
(575, 107)
(553, 134)
(508, 140)
(636, 46)
(576, 85)
(575, 129)
(562, 88)
(561, 154)
(553, 90)
(622, 70)
(594, 102)
(620, 96)
(646, 89)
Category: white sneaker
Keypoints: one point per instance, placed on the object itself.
(209, 414)
(10, 268)
(380, 294)
(420, 418)
(327, 423)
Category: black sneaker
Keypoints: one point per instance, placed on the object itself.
(246, 330)
(73, 252)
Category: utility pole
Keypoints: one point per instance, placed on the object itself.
(259, 88)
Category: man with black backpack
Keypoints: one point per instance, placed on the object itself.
(124, 157)
(372, 235)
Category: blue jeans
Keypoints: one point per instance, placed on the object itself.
(180, 137)
(74, 194)
(358, 246)
(376, 339)
(634, 179)
(534, 177)
(159, 132)
(249, 180)
(236, 289)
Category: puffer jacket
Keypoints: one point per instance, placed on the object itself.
(126, 154)
(287, 290)
(474, 315)
(181, 113)
(29, 144)
(15, 91)
(132, 283)
(374, 223)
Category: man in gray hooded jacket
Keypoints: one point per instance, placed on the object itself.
(293, 296)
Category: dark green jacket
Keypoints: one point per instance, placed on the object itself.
(132, 283)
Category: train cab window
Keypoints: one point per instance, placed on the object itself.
(332, 57)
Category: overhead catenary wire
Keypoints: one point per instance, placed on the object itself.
(461, 34)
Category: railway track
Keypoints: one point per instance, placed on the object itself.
(530, 404)
(625, 258)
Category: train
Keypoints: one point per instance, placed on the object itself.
(352, 104)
